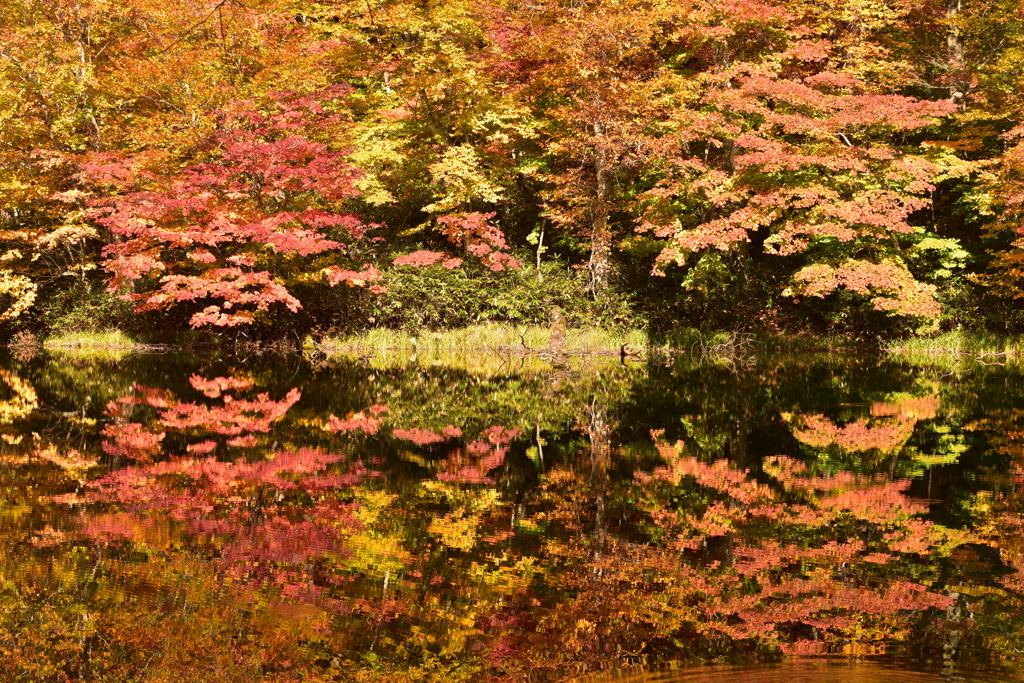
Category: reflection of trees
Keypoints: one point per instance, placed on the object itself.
(900, 430)
(805, 563)
(22, 402)
(999, 513)
(239, 419)
(886, 430)
(818, 431)
(401, 529)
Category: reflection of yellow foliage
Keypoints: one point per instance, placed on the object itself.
(373, 504)
(376, 549)
(456, 530)
(505, 574)
(22, 403)
(72, 461)
(919, 407)
(14, 511)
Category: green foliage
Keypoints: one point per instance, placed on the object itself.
(433, 297)
(83, 307)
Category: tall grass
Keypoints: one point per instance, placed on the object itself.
(961, 343)
(492, 336)
(105, 339)
(111, 345)
(953, 350)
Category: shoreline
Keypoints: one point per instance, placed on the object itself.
(535, 340)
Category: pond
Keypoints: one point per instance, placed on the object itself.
(176, 517)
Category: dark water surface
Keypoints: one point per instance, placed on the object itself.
(273, 518)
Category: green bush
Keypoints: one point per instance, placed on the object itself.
(433, 297)
(83, 307)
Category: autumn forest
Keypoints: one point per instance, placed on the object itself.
(511, 341)
(272, 168)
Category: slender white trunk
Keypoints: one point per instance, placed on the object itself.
(600, 237)
(955, 53)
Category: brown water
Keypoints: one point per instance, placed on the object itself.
(216, 518)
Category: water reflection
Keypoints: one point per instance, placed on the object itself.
(797, 671)
(167, 515)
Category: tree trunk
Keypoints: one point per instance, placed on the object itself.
(600, 237)
(955, 53)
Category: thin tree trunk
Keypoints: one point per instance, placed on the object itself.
(540, 250)
(600, 237)
(955, 53)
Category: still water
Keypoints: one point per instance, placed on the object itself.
(171, 517)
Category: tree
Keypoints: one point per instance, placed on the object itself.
(786, 147)
(593, 72)
(93, 77)
(436, 130)
(227, 235)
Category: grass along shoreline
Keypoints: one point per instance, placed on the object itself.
(958, 343)
(108, 339)
(505, 338)
(501, 337)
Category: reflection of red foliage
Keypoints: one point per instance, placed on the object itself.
(369, 425)
(862, 435)
(786, 469)
(758, 587)
(771, 554)
(213, 388)
(718, 475)
(420, 437)
(228, 502)
(425, 437)
(235, 417)
(469, 470)
(132, 440)
(203, 447)
(141, 395)
(277, 538)
(821, 602)
(143, 484)
(470, 465)
(876, 500)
